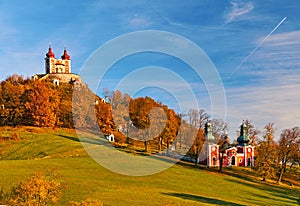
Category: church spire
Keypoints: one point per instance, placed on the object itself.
(65, 56)
(208, 132)
(243, 139)
(50, 53)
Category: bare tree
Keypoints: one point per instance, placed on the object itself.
(202, 118)
(289, 144)
(197, 120)
(252, 132)
(219, 129)
(224, 146)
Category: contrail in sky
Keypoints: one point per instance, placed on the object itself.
(260, 43)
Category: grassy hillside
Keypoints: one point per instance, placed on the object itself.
(39, 143)
(60, 151)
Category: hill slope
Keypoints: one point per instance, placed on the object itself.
(182, 184)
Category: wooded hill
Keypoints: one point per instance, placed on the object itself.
(41, 103)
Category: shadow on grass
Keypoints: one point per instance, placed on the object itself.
(202, 199)
(86, 140)
(291, 195)
(69, 137)
(226, 171)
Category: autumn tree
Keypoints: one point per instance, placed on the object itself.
(197, 120)
(42, 105)
(38, 190)
(11, 110)
(265, 162)
(171, 126)
(289, 144)
(139, 111)
(198, 145)
(65, 114)
(84, 108)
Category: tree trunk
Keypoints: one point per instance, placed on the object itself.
(146, 146)
(196, 159)
(167, 151)
(282, 169)
(280, 175)
(221, 162)
(159, 144)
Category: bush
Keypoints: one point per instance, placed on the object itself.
(37, 190)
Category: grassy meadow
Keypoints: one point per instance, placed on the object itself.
(60, 151)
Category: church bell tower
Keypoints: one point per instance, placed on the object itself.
(57, 66)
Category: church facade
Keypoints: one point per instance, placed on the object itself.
(58, 70)
(240, 155)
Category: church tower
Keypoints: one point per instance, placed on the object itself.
(58, 70)
(57, 66)
(209, 155)
(245, 152)
(243, 139)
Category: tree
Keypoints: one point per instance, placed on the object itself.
(219, 129)
(37, 190)
(42, 105)
(198, 144)
(289, 144)
(223, 148)
(267, 152)
(171, 126)
(12, 110)
(64, 114)
(84, 108)
(197, 120)
(139, 112)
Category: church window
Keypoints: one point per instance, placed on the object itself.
(56, 82)
(214, 161)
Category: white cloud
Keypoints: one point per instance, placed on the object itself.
(273, 95)
(275, 99)
(238, 11)
(283, 39)
(139, 21)
(280, 51)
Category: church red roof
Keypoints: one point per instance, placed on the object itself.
(65, 56)
(50, 53)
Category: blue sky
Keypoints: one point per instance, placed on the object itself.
(260, 75)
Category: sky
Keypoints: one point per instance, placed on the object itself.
(253, 45)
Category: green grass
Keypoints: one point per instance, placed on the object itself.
(37, 143)
(83, 178)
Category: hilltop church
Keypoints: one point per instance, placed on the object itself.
(240, 155)
(58, 70)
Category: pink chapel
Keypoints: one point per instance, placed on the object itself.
(240, 155)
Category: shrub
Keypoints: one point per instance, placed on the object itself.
(37, 190)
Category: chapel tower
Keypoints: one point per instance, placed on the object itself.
(57, 66)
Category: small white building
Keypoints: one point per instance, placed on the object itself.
(110, 138)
